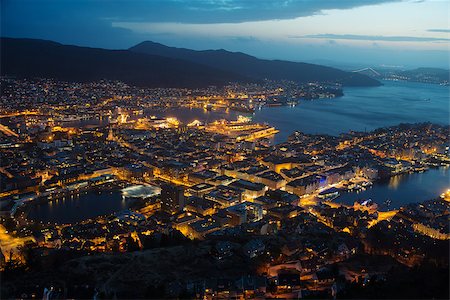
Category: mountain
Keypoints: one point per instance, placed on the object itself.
(431, 73)
(250, 66)
(40, 58)
(155, 65)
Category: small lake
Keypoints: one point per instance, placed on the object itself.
(79, 207)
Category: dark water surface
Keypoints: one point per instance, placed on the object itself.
(362, 109)
(403, 189)
(79, 207)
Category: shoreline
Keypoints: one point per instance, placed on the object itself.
(46, 200)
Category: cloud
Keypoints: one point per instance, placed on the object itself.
(439, 30)
(372, 38)
(237, 11)
(180, 11)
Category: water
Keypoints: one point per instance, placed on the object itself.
(362, 109)
(187, 115)
(403, 189)
(79, 207)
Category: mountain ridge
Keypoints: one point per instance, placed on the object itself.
(256, 68)
(158, 65)
(41, 58)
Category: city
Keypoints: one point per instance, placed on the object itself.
(222, 184)
(130, 169)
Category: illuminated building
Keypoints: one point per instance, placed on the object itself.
(250, 189)
(329, 194)
(446, 195)
(200, 189)
(221, 180)
(247, 211)
(201, 206)
(202, 177)
(172, 198)
(225, 195)
(304, 185)
(199, 229)
(140, 191)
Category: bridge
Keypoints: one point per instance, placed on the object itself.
(367, 69)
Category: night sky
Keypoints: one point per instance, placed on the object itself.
(370, 32)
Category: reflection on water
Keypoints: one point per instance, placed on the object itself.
(403, 189)
(362, 109)
(78, 207)
(394, 182)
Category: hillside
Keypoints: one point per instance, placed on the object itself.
(253, 67)
(39, 58)
(431, 73)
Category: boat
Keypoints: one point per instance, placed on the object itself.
(367, 183)
(357, 187)
(367, 204)
(329, 194)
(350, 186)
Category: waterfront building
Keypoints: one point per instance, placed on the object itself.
(304, 185)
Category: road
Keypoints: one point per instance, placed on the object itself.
(9, 243)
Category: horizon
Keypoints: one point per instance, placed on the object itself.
(407, 34)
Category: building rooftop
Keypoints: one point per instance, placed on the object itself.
(247, 185)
